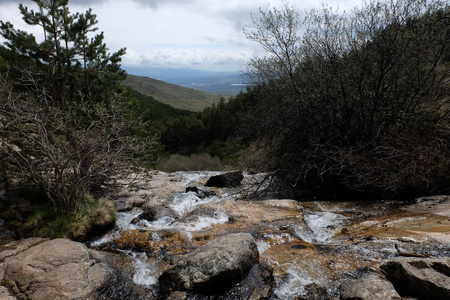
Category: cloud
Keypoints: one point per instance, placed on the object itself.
(228, 59)
(154, 4)
(190, 33)
(74, 2)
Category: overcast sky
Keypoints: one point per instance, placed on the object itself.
(199, 34)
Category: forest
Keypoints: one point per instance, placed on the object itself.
(342, 106)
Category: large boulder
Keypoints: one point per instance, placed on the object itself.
(425, 278)
(371, 286)
(57, 269)
(231, 179)
(214, 267)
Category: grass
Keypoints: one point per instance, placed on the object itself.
(95, 216)
(173, 95)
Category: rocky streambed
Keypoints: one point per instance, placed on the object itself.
(177, 239)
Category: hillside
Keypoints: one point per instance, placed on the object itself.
(173, 95)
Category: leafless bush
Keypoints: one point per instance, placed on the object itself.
(65, 151)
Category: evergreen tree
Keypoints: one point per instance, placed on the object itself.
(78, 63)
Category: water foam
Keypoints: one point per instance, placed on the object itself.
(123, 222)
(184, 203)
(293, 285)
(202, 222)
(321, 227)
(196, 177)
(145, 271)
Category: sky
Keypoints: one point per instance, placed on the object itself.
(196, 34)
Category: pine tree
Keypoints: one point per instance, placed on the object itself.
(77, 61)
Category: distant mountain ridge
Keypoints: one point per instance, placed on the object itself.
(216, 82)
(173, 95)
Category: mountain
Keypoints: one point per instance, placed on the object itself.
(227, 85)
(222, 83)
(173, 95)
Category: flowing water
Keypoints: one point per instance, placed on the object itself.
(308, 244)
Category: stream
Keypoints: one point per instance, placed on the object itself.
(311, 246)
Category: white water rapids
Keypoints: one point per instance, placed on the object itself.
(302, 242)
(320, 228)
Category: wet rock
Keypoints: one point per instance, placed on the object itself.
(370, 286)
(201, 191)
(313, 291)
(155, 213)
(205, 210)
(214, 267)
(257, 285)
(57, 269)
(231, 179)
(425, 278)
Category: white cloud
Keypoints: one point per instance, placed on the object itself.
(195, 33)
(154, 4)
(199, 58)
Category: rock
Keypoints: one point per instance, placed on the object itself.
(257, 285)
(425, 278)
(201, 191)
(178, 296)
(205, 210)
(16, 247)
(5, 294)
(314, 291)
(127, 203)
(157, 212)
(231, 179)
(123, 205)
(3, 195)
(371, 286)
(57, 269)
(214, 267)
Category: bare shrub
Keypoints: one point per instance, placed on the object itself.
(65, 151)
